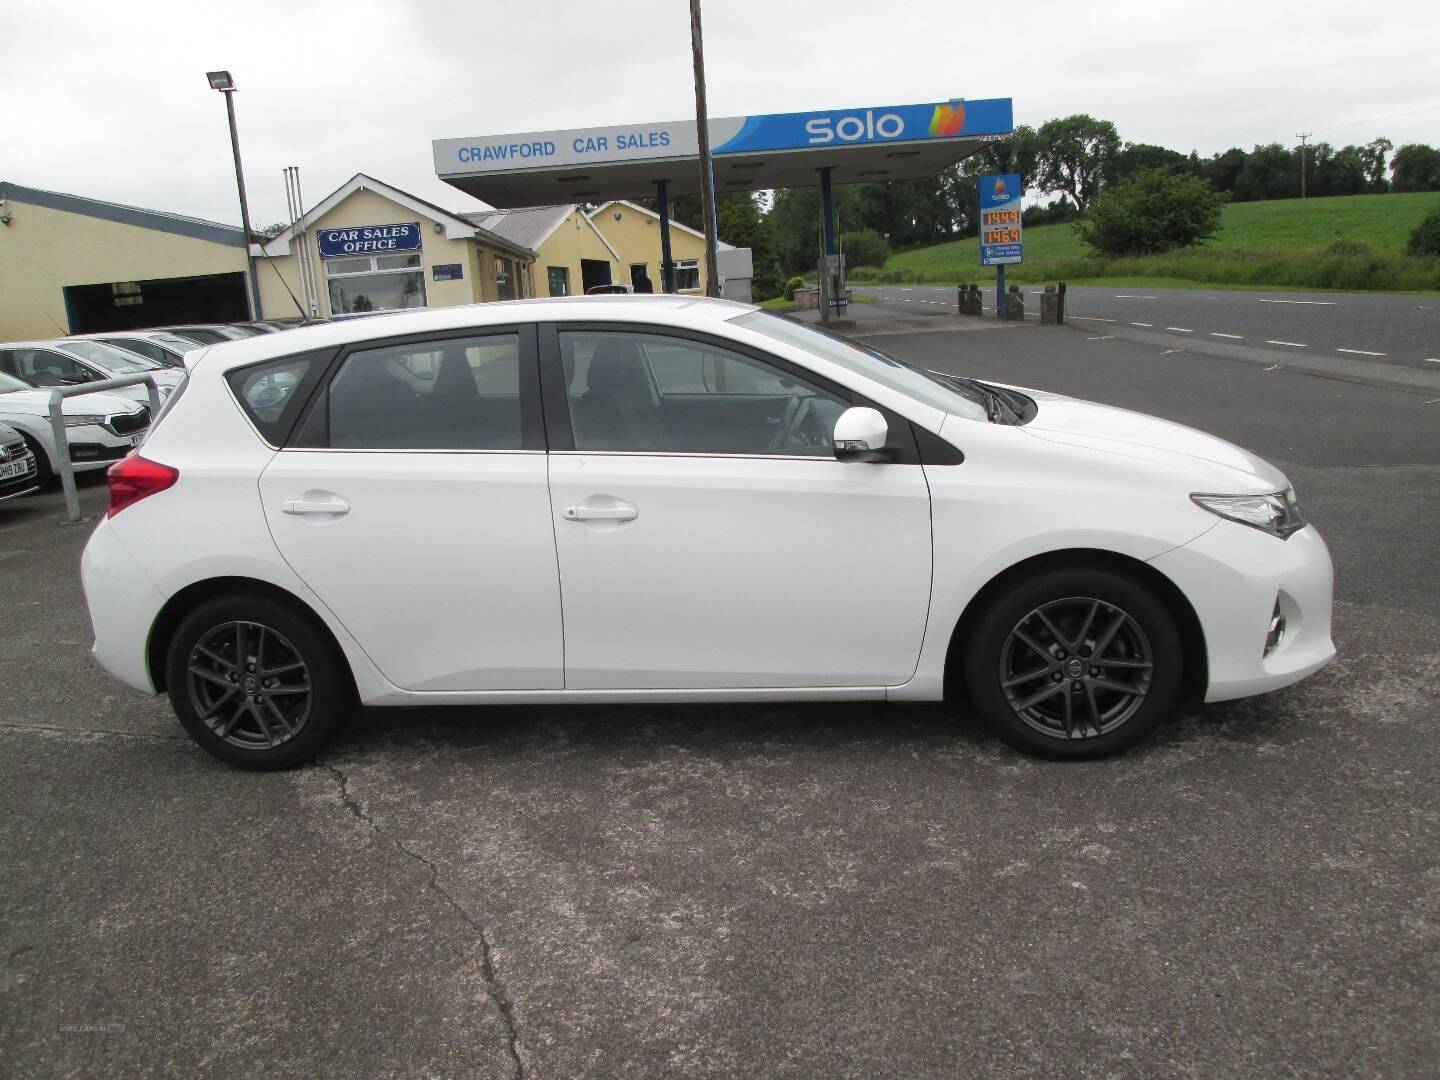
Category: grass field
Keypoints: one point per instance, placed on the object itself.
(1279, 244)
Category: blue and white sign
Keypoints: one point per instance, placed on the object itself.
(1000, 239)
(369, 239)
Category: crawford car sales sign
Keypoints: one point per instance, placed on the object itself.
(369, 239)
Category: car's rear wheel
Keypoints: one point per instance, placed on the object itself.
(257, 683)
(1075, 663)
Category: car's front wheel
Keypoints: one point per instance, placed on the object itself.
(1075, 663)
(257, 683)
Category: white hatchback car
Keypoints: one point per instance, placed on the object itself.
(651, 499)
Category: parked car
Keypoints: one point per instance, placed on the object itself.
(615, 288)
(19, 475)
(208, 333)
(75, 361)
(157, 345)
(680, 499)
(100, 428)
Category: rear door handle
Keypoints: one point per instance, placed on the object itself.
(315, 506)
(600, 513)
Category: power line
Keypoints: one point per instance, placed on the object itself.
(1377, 119)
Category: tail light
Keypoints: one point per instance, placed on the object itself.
(133, 478)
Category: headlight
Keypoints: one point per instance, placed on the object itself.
(80, 420)
(1276, 514)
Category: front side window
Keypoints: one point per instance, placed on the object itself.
(637, 391)
(559, 280)
(375, 283)
(460, 394)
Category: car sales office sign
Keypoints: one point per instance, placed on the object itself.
(1000, 242)
(369, 239)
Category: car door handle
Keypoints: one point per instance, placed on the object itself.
(315, 506)
(600, 513)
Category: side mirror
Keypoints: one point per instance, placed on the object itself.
(861, 434)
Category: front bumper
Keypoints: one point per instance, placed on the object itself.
(1233, 576)
(123, 604)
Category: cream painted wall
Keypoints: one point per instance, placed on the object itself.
(573, 240)
(636, 236)
(370, 208)
(44, 250)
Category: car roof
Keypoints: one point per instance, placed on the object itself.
(680, 311)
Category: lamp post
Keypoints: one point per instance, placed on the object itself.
(221, 80)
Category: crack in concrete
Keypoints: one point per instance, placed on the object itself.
(9, 726)
(493, 986)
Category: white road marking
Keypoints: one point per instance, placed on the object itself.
(1131, 296)
(1361, 352)
(1316, 303)
(1432, 359)
(1292, 344)
(1179, 329)
(1238, 337)
(1167, 352)
(1103, 337)
(1093, 318)
(1142, 324)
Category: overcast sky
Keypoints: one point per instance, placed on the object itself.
(110, 101)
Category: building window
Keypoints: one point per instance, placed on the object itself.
(559, 280)
(504, 279)
(687, 274)
(375, 283)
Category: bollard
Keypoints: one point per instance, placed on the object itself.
(1049, 307)
(974, 305)
(1060, 309)
(1014, 304)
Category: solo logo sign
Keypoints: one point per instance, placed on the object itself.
(867, 128)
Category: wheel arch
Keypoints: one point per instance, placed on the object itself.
(1194, 658)
(162, 630)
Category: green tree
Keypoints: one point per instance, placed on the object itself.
(1151, 212)
(1136, 158)
(1374, 154)
(1075, 156)
(1425, 240)
(1222, 170)
(1416, 167)
(1270, 172)
(865, 247)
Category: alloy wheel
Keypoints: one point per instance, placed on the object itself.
(1076, 668)
(249, 685)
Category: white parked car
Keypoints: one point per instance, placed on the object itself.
(19, 474)
(100, 428)
(679, 499)
(74, 361)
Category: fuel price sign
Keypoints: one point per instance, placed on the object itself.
(1000, 240)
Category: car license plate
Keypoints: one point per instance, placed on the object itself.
(12, 469)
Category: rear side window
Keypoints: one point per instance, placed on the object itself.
(458, 394)
(273, 393)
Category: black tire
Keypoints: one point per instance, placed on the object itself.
(282, 706)
(44, 471)
(1034, 672)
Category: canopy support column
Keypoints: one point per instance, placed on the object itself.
(667, 264)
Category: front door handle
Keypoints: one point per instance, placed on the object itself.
(315, 506)
(600, 513)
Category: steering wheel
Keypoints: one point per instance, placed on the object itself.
(796, 413)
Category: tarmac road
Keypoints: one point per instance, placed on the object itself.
(762, 891)
(1399, 330)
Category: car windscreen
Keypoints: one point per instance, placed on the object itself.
(116, 361)
(949, 397)
(176, 342)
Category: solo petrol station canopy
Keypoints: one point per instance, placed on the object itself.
(750, 153)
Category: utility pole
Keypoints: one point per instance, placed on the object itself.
(702, 132)
(1303, 136)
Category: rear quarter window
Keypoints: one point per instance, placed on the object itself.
(273, 393)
